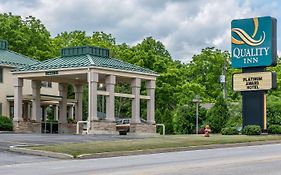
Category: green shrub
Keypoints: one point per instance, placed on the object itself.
(252, 130)
(229, 131)
(6, 124)
(273, 110)
(71, 120)
(218, 115)
(274, 129)
(184, 119)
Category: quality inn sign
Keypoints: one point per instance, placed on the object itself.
(253, 42)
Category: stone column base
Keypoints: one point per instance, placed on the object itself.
(142, 128)
(103, 127)
(26, 127)
(67, 128)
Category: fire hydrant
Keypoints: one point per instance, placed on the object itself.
(207, 131)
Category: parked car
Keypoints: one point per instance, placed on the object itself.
(123, 126)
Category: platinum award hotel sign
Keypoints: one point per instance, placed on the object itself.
(253, 42)
(254, 81)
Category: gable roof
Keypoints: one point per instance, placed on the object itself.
(11, 58)
(82, 57)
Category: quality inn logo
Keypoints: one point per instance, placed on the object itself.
(253, 42)
(244, 38)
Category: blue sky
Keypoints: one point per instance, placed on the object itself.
(183, 26)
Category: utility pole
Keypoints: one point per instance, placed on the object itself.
(223, 79)
(224, 84)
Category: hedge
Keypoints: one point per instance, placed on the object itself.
(6, 124)
(252, 130)
(229, 131)
(274, 129)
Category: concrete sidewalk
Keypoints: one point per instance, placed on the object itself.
(7, 140)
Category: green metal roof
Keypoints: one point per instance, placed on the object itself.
(84, 56)
(10, 58)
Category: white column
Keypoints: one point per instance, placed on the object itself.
(56, 110)
(36, 102)
(151, 102)
(78, 89)
(136, 84)
(92, 98)
(18, 83)
(63, 103)
(110, 108)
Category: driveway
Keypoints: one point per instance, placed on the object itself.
(7, 140)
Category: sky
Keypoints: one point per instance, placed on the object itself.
(185, 27)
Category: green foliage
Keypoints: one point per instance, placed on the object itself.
(274, 129)
(274, 110)
(218, 115)
(235, 114)
(27, 36)
(206, 69)
(71, 120)
(252, 130)
(229, 131)
(6, 124)
(184, 118)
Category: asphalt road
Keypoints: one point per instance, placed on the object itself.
(251, 160)
(10, 158)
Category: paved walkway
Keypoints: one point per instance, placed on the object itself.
(7, 140)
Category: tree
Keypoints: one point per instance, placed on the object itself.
(206, 68)
(184, 118)
(218, 115)
(26, 36)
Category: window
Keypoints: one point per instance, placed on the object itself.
(1, 74)
(46, 84)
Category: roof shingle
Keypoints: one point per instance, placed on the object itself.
(10, 58)
(84, 56)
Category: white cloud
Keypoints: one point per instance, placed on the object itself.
(185, 27)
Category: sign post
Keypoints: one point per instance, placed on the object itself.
(253, 48)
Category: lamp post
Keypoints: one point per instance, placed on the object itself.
(197, 101)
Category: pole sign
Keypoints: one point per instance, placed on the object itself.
(253, 42)
(254, 81)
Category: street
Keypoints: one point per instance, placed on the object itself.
(262, 159)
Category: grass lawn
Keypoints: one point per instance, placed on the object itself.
(160, 142)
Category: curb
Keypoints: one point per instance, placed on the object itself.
(164, 150)
(22, 149)
(7, 132)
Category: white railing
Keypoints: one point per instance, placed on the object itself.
(87, 126)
